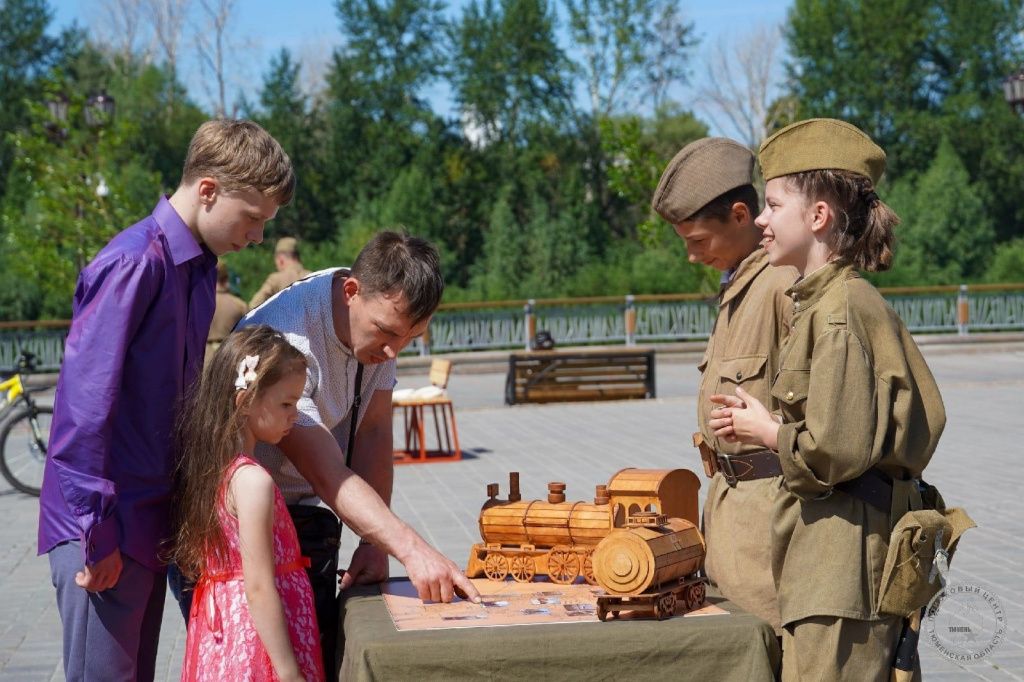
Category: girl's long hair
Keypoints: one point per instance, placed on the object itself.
(862, 233)
(208, 436)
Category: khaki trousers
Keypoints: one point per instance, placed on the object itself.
(839, 649)
(738, 533)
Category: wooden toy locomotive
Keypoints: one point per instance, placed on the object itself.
(640, 533)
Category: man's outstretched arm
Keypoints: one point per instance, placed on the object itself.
(315, 453)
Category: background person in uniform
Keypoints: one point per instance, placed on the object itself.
(142, 312)
(228, 310)
(707, 194)
(341, 319)
(861, 414)
(289, 271)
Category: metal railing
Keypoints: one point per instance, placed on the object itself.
(611, 320)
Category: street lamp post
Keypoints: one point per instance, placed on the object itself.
(1013, 91)
(58, 108)
(99, 109)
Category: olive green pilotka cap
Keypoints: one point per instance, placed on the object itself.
(287, 245)
(820, 144)
(700, 172)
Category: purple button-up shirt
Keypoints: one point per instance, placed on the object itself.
(142, 310)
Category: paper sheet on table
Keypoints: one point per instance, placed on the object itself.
(504, 603)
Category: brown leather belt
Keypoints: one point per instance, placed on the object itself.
(748, 466)
(873, 486)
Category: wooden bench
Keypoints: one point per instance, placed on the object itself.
(589, 374)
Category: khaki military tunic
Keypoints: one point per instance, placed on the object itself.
(277, 281)
(743, 350)
(855, 393)
(228, 310)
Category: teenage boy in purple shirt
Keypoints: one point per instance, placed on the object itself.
(142, 311)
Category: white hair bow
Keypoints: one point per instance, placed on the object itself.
(246, 372)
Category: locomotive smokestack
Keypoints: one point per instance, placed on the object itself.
(601, 495)
(513, 487)
(492, 490)
(556, 492)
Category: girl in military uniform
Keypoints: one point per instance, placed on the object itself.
(860, 412)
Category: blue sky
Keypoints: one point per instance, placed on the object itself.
(309, 28)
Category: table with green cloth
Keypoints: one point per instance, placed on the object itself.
(737, 647)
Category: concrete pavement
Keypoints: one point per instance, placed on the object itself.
(978, 465)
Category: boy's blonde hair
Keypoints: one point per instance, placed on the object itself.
(241, 156)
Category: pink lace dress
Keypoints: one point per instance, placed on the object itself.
(222, 641)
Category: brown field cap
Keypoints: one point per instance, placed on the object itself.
(820, 144)
(700, 172)
(286, 245)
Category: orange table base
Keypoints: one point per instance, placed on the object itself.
(415, 449)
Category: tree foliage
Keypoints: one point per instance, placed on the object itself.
(523, 137)
(913, 73)
(946, 235)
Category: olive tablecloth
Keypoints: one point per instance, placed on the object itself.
(721, 648)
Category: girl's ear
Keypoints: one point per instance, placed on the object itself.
(821, 216)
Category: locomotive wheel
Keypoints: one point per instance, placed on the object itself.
(522, 569)
(667, 606)
(690, 597)
(602, 613)
(694, 596)
(563, 566)
(495, 566)
(699, 593)
(588, 568)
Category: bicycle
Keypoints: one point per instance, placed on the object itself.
(24, 430)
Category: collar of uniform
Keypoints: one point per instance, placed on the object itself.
(806, 292)
(180, 241)
(745, 273)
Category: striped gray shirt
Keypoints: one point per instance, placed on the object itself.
(303, 313)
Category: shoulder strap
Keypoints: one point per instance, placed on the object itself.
(355, 416)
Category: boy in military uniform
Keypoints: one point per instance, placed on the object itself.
(706, 193)
(289, 270)
(861, 414)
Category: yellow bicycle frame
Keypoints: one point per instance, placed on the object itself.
(14, 388)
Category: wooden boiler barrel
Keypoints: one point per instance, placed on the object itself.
(636, 560)
(543, 524)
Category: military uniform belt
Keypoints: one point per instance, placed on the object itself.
(872, 487)
(749, 466)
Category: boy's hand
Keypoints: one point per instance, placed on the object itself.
(746, 420)
(102, 575)
(720, 418)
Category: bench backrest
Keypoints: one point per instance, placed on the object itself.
(440, 370)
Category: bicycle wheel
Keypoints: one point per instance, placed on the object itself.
(23, 447)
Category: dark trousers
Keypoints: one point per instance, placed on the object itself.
(182, 589)
(319, 534)
(109, 635)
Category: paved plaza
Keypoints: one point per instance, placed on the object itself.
(976, 466)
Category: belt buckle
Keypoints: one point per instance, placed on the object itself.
(728, 472)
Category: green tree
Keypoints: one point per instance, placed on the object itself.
(288, 115)
(638, 151)
(947, 235)
(507, 71)
(1007, 263)
(504, 262)
(377, 114)
(910, 73)
(627, 50)
(27, 53)
(68, 195)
